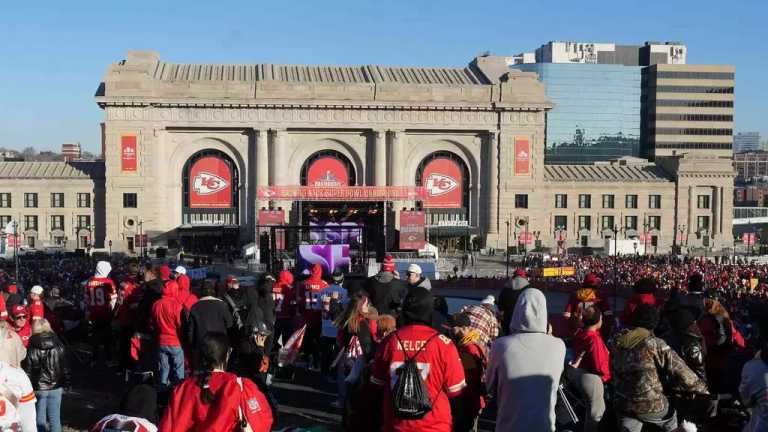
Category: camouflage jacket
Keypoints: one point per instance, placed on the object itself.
(644, 368)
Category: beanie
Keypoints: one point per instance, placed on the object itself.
(696, 283)
(646, 316)
(165, 273)
(388, 265)
(418, 306)
(591, 280)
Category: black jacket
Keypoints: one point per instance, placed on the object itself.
(386, 293)
(266, 303)
(151, 292)
(689, 345)
(46, 362)
(208, 315)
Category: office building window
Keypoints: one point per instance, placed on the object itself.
(30, 223)
(585, 222)
(84, 222)
(84, 200)
(561, 222)
(608, 201)
(57, 199)
(607, 222)
(654, 222)
(702, 223)
(561, 201)
(4, 221)
(57, 222)
(130, 200)
(521, 201)
(30, 200)
(5, 200)
(654, 201)
(631, 201)
(585, 201)
(630, 222)
(702, 201)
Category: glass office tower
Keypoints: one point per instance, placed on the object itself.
(597, 111)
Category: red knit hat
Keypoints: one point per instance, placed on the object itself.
(165, 273)
(520, 272)
(388, 265)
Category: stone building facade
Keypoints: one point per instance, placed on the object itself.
(268, 121)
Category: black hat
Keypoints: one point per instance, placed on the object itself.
(645, 316)
(681, 319)
(140, 401)
(696, 283)
(418, 306)
(645, 285)
(337, 276)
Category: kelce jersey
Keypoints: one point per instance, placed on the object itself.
(100, 296)
(440, 368)
(121, 423)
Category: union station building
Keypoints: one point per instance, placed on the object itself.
(195, 153)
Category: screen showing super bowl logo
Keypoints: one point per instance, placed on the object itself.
(329, 256)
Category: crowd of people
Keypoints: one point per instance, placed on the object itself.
(685, 352)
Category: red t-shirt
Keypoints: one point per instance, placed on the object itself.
(187, 412)
(101, 295)
(441, 369)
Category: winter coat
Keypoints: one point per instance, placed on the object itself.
(689, 345)
(265, 302)
(166, 316)
(46, 362)
(385, 292)
(208, 315)
(639, 363)
(185, 296)
(423, 283)
(528, 362)
(12, 350)
(151, 292)
(754, 381)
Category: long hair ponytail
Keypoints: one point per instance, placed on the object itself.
(213, 354)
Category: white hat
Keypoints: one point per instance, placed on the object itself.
(180, 270)
(489, 300)
(414, 268)
(37, 289)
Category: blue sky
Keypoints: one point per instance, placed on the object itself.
(53, 54)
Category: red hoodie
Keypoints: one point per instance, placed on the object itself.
(187, 412)
(284, 296)
(186, 298)
(309, 296)
(595, 358)
(166, 316)
(636, 300)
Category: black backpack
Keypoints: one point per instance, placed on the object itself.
(410, 398)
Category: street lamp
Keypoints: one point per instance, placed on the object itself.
(15, 226)
(110, 249)
(506, 253)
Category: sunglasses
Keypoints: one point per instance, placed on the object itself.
(20, 317)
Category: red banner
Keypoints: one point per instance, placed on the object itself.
(522, 156)
(128, 152)
(347, 193)
(327, 171)
(210, 183)
(525, 237)
(273, 218)
(748, 238)
(140, 240)
(443, 180)
(412, 229)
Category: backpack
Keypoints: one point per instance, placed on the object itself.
(410, 397)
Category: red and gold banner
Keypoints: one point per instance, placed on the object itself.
(412, 225)
(522, 156)
(271, 217)
(327, 171)
(128, 154)
(210, 183)
(346, 193)
(443, 180)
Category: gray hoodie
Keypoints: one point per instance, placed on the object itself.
(525, 367)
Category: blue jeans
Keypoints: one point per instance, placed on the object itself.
(49, 409)
(170, 366)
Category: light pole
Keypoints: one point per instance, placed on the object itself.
(506, 253)
(110, 249)
(16, 248)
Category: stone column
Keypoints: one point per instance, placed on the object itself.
(691, 219)
(493, 183)
(395, 168)
(262, 164)
(714, 227)
(278, 175)
(722, 211)
(380, 158)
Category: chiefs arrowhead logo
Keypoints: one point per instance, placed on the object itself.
(440, 184)
(206, 183)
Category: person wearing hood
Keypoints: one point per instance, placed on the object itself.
(284, 297)
(528, 362)
(415, 278)
(508, 298)
(48, 370)
(434, 353)
(101, 298)
(186, 297)
(641, 365)
(166, 319)
(310, 304)
(385, 290)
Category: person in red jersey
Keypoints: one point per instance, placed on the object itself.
(166, 319)
(101, 298)
(285, 306)
(36, 307)
(310, 304)
(214, 400)
(436, 357)
(186, 297)
(21, 324)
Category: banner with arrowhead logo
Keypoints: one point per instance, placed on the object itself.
(522, 156)
(210, 183)
(443, 179)
(412, 230)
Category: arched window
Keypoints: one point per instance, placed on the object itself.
(446, 177)
(210, 189)
(328, 168)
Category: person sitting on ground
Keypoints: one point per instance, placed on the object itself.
(137, 413)
(215, 400)
(415, 278)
